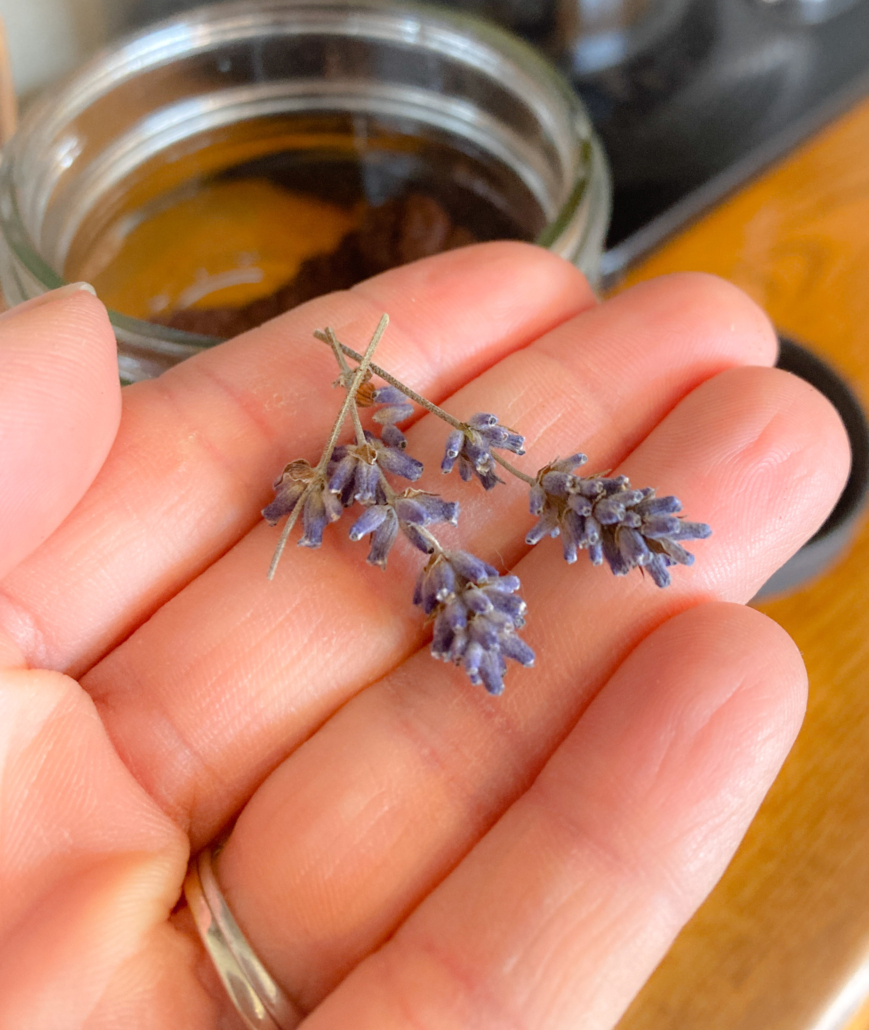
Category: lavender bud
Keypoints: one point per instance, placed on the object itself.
(452, 450)
(518, 650)
(392, 436)
(492, 671)
(482, 420)
(368, 521)
(288, 487)
(393, 413)
(420, 539)
(388, 395)
(399, 463)
(472, 568)
(316, 515)
(382, 540)
(476, 600)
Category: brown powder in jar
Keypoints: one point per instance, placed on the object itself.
(394, 233)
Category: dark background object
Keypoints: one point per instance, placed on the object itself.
(834, 536)
(733, 86)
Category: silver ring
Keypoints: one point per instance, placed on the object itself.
(257, 998)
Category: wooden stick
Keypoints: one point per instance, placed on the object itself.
(8, 99)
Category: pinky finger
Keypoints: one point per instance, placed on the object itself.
(559, 915)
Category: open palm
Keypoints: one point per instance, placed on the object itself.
(406, 851)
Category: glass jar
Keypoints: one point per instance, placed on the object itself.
(272, 90)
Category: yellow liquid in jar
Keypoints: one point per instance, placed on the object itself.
(229, 243)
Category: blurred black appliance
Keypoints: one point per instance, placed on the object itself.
(693, 97)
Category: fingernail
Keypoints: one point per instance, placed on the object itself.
(46, 298)
(64, 291)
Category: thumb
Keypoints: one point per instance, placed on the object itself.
(60, 404)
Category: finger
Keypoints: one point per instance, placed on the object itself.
(222, 683)
(559, 915)
(198, 447)
(59, 410)
(89, 870)
(363, 820)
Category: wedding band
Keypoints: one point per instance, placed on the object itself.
(257, 998)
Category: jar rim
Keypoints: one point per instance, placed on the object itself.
(206, 27)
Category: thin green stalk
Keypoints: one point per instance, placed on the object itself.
(345, 375)
(530, 480)
(397, 383)
(364, 363)
(350, 398)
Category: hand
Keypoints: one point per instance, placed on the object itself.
(408, 851)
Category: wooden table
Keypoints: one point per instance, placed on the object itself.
(783, 941)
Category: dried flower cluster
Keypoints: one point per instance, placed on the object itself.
(475, 611)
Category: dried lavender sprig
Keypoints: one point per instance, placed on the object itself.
(473, 447)
(476, 614)
(349, 400)
(419, 399)
(628, 528)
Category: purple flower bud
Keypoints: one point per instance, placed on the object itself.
(442, 638)
(632, 546)
(382, 540)
(320, 508)
(657, 569)
(367, 480)
(559, 484)
(569, 463)
(471, 660)
(476, 600)
(399, 463)
(393, 413)
(676, 551)
(452, 450)
(286, 500)
(652, 505)
(518, 650)
(693, 530)
(509, 604)
(473, 569)
(455, 613)
(484, 633)
(482, 420)
(341, 473)
(473, 623)
(655, 526)
(289, 487)
(492, 671)
(388, 395)
(503, 584)
(368, 521)
(546, 526)
(609, 510)
(392, 436)
(420, 539)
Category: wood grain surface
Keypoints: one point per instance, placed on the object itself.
(783, 941)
